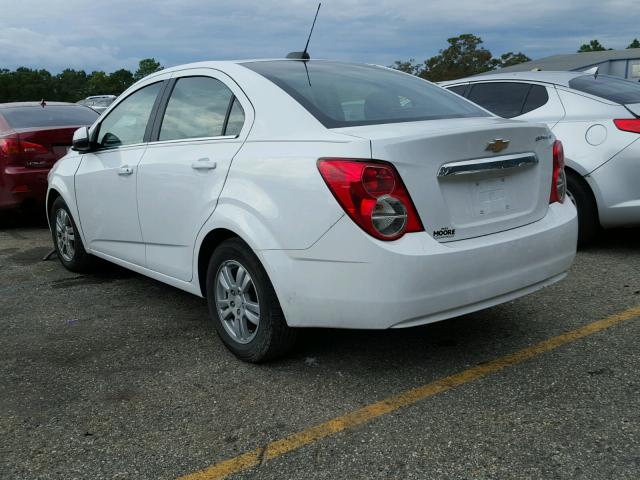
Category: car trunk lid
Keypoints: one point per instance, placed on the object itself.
(468, 177)
(37, 148)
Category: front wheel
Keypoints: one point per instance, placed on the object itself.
(66, 239)
(244, 305)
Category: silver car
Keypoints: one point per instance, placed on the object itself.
(98, 102)
(597, 117)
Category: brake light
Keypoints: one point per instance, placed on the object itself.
(559, 179)
(373, 195)
(628, 124)
(19, 151)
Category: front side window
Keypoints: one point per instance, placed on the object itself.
(344, 94)
(127, 122)
(505, 99)
(198, 108)
(610, 88)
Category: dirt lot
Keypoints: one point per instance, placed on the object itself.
(113, 375)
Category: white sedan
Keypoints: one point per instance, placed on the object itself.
(597, 117)
(296, 193)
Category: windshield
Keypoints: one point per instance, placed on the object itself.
(345, 94)
(49, 116)
(610, 88)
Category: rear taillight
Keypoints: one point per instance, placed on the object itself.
(628, 124)
(19, 151)
(373, 195)
(559, 179)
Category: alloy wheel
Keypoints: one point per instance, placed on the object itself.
(65, 235)
(237, 301)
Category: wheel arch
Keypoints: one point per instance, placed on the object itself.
(209, 243)
(588, 188)
(52, 195)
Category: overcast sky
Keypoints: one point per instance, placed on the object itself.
(112, 34)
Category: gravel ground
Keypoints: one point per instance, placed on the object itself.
(113, 375)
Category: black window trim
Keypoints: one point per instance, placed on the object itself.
(154, 136)
(150, 121)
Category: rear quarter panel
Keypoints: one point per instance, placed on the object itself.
(587, 132)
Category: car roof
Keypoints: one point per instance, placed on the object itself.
(35, 104)
(555, 78)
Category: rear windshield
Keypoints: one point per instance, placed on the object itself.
(345, 94)
(49, 116)
(610, 88)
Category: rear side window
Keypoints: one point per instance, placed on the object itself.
(459, 89)
(198, 108)
(610, 88)
(536, 98)
(49, 116)
(127, 122)
(236, 119)
(344, 94)
(505, 99)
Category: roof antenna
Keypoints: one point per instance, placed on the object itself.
(304, 55)
(43, 103)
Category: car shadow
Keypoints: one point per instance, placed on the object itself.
(617, 238)
(22, 218)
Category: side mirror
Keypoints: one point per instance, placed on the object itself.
(81, 141)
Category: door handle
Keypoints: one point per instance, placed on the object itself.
(203, 164)
(125, 170)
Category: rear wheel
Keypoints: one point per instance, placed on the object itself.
(580, 194)
(243, 304)
(66, 239)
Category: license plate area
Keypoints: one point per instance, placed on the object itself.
(490, 196)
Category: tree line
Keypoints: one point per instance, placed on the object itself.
(465, 56)
(26, 84)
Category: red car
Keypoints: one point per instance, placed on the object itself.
(33, 136)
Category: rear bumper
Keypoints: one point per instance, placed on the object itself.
(19, 184)
(350, 280)
(616, 188)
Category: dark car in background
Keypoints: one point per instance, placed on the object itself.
(33, 136)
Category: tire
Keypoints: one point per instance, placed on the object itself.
(233, 307)
(69, 247)
(588, 222)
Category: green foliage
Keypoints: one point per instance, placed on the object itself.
(592, 46)
(147, 66)
(463, 57)
(634, 44)
(25, 84)
(508, 59)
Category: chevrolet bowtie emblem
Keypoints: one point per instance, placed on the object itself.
(497, 145)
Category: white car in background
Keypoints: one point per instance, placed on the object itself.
(314, 194)
(597, 118)
(98, 102)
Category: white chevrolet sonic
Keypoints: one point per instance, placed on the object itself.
(295, 193)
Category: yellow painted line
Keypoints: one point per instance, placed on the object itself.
(365, 414)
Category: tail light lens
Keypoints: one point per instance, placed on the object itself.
(559, 179)
(373, 195)
(20, 152)
(628, 125)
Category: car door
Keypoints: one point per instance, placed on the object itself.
(106, 178)
(201, 126)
